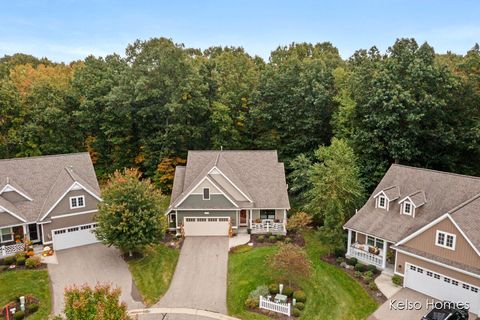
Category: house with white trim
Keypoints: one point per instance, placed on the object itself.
(49, 199)
(424, 226)
(219, 192)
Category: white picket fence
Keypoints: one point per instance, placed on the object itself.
(12, 249)
(283, 308)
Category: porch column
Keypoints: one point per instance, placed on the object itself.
(250, 219)
(349, 242)
(25, 230)
(285, 219)
(384, 258)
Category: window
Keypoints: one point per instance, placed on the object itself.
(447, 280)
(436, 276)
(77, 202)
(455, 282)
(465, 286)
(382, 202)
(407, 208)
(6, 234)
(267, 214)
(474, 289)
(429, 273)
(374, 242)
(445, 240)
(173, 217)
(206, 194)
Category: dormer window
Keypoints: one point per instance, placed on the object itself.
(382, 202)
(206, 194)
(407, 208)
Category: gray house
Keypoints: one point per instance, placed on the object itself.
(222, 191)
(49, 199)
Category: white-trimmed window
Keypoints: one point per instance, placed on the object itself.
(382, 202)
(445, 240)
(374, 242)
(206, 194)
(77, 202)
(407, 208)
(6, 234)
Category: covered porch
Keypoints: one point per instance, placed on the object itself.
(12, 237)
(263, 221)
(369, 249)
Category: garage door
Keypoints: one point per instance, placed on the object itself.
(201, 226)
(74, 236)
(442, 287)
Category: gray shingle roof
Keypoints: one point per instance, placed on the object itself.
(257, 173)
(443, 191)
(46, 178)
(467, 216)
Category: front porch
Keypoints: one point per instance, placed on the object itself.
(12, 238)
(369, 249)
(264, 221)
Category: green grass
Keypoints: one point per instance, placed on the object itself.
(152, 274)
(27, 282)
(331, 293)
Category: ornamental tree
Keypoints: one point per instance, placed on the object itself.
(131, 215)
(291, 264)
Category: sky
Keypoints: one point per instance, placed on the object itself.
(69, 30)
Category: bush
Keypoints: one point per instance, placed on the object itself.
(269, 234)
(260, 239)
(19, 314)
(352, 261)
(396, 279)
(300, 296)
(259, 291)
(368, 274)
(339, 252)
(287, 291)
(21, 261)
(340, 260)
(288, 240)
(280, 237)
(296, 312)
(367, 279)
(9, 260)
(272, 239)
(357, 274)
(33, 307)
(19, 255)
(251, 303)
(299, 221)
(373, 269)
(360, 267)
(300, 305)
(373, 286)
(273, 288)
(33, 262)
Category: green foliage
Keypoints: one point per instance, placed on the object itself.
(288, 291)
(398, 280)
(300, 306)
(272, 239)
(300, 296)
(33, 262)
(358, 274)
(352, 261)
(260, 239)
(372, 286)
(273, 288)
(19, 315)
(9, 260)
(299, 221)
(259, 291)
(291, 264)
(288, 240)
(360, 267)
(296, 312)
(131, 215)
(33, 307)
(251, 303)
(372, 268)
(20, 261)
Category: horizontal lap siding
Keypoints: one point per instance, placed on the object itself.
(196, 201)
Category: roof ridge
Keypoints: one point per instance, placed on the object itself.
(395, 186)
(436, 171)
(463, 204)
(45, 156)
(50, 191)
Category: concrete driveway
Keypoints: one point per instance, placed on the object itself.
(200, 279)
(91, 264)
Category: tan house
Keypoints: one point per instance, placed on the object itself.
(423, 225)
(218, 191)
(49, 199)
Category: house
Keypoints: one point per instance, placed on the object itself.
(423, 225)
(219, 191)
(49, 199)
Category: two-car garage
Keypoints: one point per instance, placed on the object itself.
(74, 236)
(206, 226)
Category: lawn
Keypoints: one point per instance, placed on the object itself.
(332, 294)
(152, 274)
(23, 282)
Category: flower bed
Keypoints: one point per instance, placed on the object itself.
(31, 306)
(21, 261)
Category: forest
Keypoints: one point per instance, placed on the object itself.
(146, 108)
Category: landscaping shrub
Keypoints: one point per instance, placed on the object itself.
(299, 221)
(373, 269)
(287, 291)
(280, 237)
(373, 286)
(291, 265)
(259, 291)
(360, 267)
(339, 252)
(367, 279)
(33, 262)
(300, 296)
(273, 288)
(21, 261)
(396, 279)
(352, 261)
(9, 260)
(300, 305)
(20, 255)
(33, 307)
(357, 274)
(288, 240)
(269, 234)
(19, 314)
(260, 239)
(251, 303)
(340, 260)
(272, 239)
(368, 274)
(296, 312)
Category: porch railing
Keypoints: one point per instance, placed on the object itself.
(268, 226)
(12, 249)
(366, 256)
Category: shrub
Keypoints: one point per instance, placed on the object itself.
(33, 307)
(296, 312)
(21, 261)
(272, 239)
(33, 262)
(373, 269)
(352, 261)
(368, 274)
(259, 291)
(373, 286)
(357, 274)
(300, 296)
(340, 260)
(288, 240)
(287, 291)
(339, 252)
(280, 237)
(396, 279)
(251, 303)
(367, 279)
(300, 305)
(19, 255)
(260, 239)
(299, 221)
(269, 234)
(360, 267)
(273, 288)
(9, 260)
(19, 314)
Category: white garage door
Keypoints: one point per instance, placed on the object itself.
(74, 236)
(442, 287)
(211, 226)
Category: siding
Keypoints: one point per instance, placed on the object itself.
(63, 207)
(402, 258)
(278, 214)
(217, 201)
(231, 214)
(6, 219)
(206, 184)
(463, 252)
(60, 223)
(226, 185)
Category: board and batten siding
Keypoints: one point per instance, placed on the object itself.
(426, 242)
(182, 214)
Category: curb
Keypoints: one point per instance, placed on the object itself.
(197, 312)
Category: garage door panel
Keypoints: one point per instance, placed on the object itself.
(73, 236)
(442, 287)
(206, 226)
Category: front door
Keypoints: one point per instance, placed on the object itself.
(33, 232)
(243, 217)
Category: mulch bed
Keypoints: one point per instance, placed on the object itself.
(29, 299)
(271, 314)
(17, 267)
(377, 295)
(297, 239)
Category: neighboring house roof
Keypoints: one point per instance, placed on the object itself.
(46, 178)
(444, 191)
(257, 175)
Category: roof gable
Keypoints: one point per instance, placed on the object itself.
(11, 186)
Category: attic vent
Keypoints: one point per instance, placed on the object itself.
(215, 171)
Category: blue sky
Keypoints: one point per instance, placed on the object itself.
(68, 30)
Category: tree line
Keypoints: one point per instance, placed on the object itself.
(145, 109)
